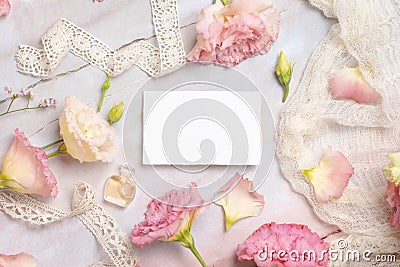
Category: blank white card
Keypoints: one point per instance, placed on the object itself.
(201, 128)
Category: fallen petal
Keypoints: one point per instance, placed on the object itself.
(331, 176)
(19, 260)
(350, 84)
(241, 202)
(5, 7)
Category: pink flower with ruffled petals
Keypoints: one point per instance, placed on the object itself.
(167, 216)
(18, 260)
(331, 176)
(350, 84)
(393, 197)
(25, 169)
(5, 7)
(227, 35)
(289, 238)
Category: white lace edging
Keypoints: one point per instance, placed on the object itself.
(102, 225)
(66, 37)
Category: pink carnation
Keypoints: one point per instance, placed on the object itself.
(290, 238)
(18, 260)
(25, 169)
(228, 35)
(393, 197)
(164, 217)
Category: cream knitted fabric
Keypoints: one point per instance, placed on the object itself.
(368, 35)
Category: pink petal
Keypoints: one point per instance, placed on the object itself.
(350, 84)
(19, 260)
(5, 7)
(26, 170)
(331, 176)
(393, 198)
(240, 202)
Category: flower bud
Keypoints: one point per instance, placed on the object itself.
(115, 113)
(284, 72)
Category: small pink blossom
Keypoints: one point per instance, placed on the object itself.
(5, 7)
(350, 84)
(288, 238)
(25, 169)
(331, 176)
(171, 215)
(227, 35)
(239, 202)
(7, 89)
(18, 260)
(393, 198)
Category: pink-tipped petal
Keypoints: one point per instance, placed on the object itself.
(5, 7)
(18, 260)
(331, 176)
(350, 84)
(25, 168)
(239, 202)
(393, 198)
(283, 237)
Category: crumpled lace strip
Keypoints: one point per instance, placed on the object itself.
(102, 225)
(66, 37)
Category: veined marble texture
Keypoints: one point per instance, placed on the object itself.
(118, 22)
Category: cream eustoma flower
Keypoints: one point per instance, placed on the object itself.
(87, 136)
(241, 202)
(331, 176)
(392, 171)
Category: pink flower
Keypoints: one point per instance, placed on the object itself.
(170, 215)
(241, 201)
(228, 35)
(393, 197)
(5, 7)
(331, 176)
(290, 238)
(25, 169)
(18, 260)
(350, 84)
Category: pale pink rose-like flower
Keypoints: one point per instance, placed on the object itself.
(171, 215)
(331, 176)
(240, 202)
(19, 260)
(227, 35)
(5, 7)
(350, 84)
(87, 136)
(393, 198)
(288, 238)
(25, 169)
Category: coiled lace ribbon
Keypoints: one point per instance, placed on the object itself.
(66, 37)
(114, 242)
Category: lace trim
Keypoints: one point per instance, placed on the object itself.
(66, 37)
(102, 225)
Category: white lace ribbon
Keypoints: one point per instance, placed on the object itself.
(102, 225)
(66, 37)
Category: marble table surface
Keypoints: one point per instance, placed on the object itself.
(117, 22)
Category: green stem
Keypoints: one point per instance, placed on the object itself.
(52, 144)
(9, 106)
(286, 93)
(53, 154)
(104, 89)
(16, 110)
(197, 255)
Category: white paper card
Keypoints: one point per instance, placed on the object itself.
(201, 128)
